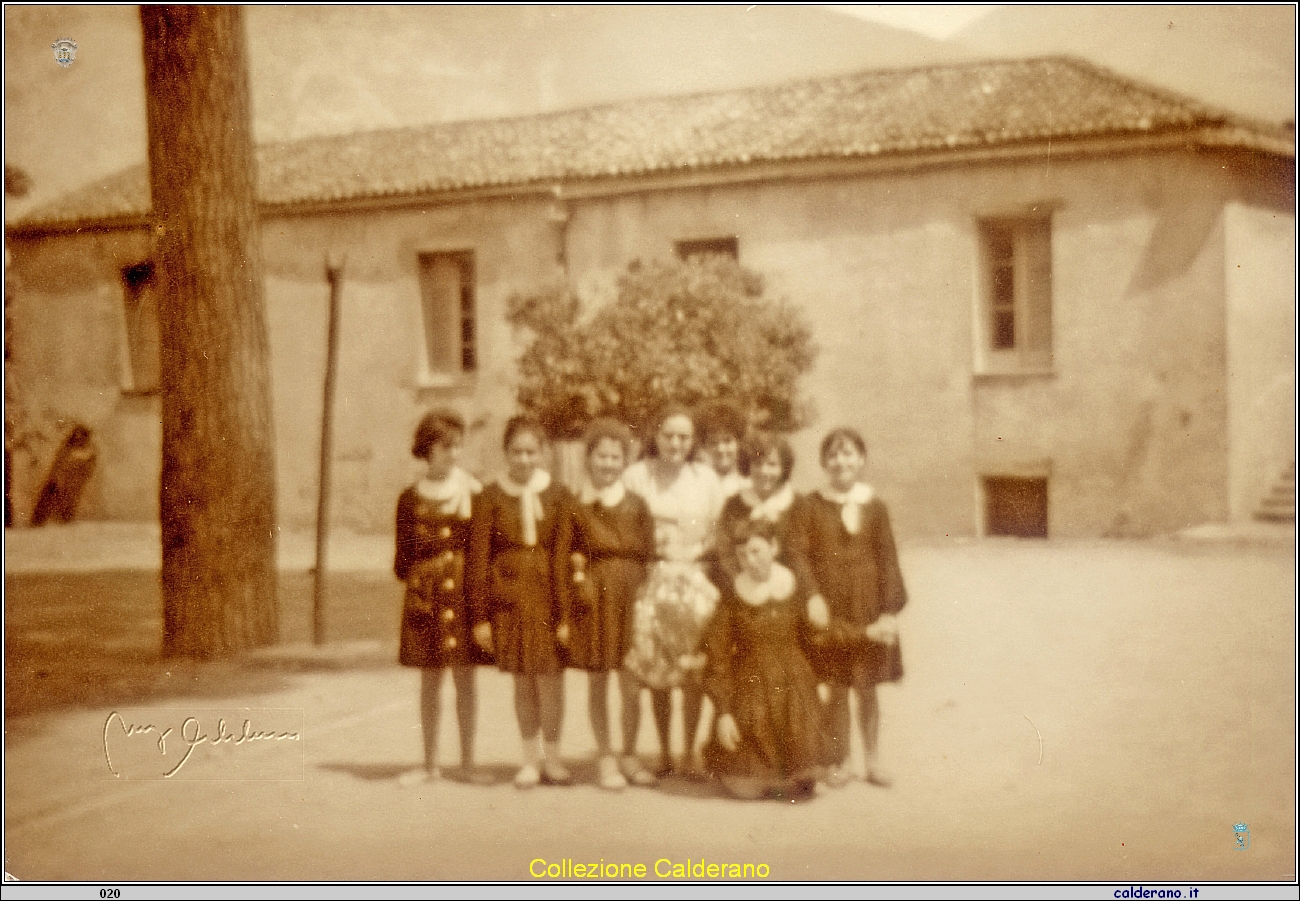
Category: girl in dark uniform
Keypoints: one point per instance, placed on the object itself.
(767, 461)
(769, 736)
(518, 569)
(613, 539)
(842, 539)
(433, 518)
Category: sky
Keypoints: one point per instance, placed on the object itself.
(940, 21)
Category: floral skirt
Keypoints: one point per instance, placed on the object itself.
(672, 608)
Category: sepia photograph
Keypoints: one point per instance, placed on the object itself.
(651, 445)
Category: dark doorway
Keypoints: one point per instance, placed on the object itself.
(1015, 507)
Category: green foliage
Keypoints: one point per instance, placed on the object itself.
(688, 332)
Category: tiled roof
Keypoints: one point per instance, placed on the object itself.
(869, 114)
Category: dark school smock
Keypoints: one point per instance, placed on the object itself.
(517, 568)
(432, 538)
(758, 672)
(857, 573)
(614, 533)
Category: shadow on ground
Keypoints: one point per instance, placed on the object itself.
(584, 774)
(94, 639)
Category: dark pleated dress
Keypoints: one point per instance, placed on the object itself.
(430, 559)
(518, 588)
(860, 579)
(758, 672)
(617, 542)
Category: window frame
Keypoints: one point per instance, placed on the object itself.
(467, 351)
(1027, 316)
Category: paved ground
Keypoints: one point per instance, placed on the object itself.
(1099, 711)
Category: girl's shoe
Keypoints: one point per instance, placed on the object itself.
(635, 773)
(801, 790)
(555, 773)
(878, 777)
(610, 777)
(527, 777)
(419, 777)
(693, 767)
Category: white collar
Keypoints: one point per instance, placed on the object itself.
(772, 508)
(610, 496)
(733, 483)
(860, 494)
(851, 503)
(779, 586)
(538, 482)
(452, 494)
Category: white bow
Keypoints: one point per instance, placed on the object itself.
(851, 503)
(530, 501)
(773, 507)
(453, 495)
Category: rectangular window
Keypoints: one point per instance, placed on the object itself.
(1015, 506)
(727, 247)
(1016, 314)
(140, 309)
(448, 310)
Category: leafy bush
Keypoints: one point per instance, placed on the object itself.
(691, 332)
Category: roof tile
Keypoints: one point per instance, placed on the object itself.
(863, 114)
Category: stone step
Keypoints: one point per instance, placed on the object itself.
(1278, 503)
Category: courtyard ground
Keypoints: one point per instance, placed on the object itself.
(1071, 711)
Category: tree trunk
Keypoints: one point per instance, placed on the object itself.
(218, 463)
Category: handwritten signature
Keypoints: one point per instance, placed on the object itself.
(191, 736)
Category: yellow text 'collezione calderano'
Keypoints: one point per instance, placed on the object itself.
(663, 868)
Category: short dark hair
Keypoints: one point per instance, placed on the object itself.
(746, 529)
(609, 429)
(722, 419)
(840, 436)
(517, 425)
(662, 415)
(759, 445)
(437, 427)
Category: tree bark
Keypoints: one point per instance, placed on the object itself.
(217, 490)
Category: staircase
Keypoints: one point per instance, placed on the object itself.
(1278, 505)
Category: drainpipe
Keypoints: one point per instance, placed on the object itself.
(558, 214)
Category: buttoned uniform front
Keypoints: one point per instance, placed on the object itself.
(430, 559)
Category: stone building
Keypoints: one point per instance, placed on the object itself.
(1054, 300)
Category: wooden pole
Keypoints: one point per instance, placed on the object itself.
(334, 275)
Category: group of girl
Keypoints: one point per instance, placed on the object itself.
(675, 573)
